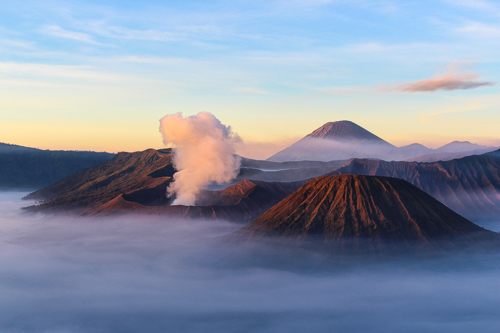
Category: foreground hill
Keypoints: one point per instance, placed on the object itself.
(30, 168)
(344, 140)
(347, 208)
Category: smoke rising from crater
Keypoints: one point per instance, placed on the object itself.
(204, 153)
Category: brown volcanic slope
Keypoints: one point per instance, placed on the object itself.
(137, 182)
(349, 207)
(125, 173)
(242, 202)
(469, 186)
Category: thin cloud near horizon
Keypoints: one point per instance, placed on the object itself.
(455, 78)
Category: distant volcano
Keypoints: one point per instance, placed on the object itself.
(342, 140)
(378, 210)
(346, 131)
(336, 141)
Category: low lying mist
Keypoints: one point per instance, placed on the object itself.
(142, 274)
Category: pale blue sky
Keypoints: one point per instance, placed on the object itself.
(83, 75)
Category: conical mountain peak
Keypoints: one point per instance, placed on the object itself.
(380, 209)
(344, 131)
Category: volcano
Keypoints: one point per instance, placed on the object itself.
(336, 141)
(346, 131)
(343, 140)
(348, 209)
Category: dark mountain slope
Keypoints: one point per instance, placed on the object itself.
(97, 185)
(242, 202)
(378, 209)
(470, 185)
(30, 168)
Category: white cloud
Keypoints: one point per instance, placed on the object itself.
(58, 71)
(477, 4)
(477, 29)
(57, 31)
(252, 90)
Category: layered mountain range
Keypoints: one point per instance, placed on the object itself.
(470, 185)
(344, 140)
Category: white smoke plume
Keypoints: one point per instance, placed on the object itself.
(204, 151)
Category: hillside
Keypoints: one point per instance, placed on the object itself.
(242, 202)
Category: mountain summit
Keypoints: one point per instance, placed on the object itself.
(345, 131)
(338, 140)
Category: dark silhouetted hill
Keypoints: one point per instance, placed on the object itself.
(30, 168)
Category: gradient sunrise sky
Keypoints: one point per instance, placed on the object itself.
(94, 76)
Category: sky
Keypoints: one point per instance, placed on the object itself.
(94, 75)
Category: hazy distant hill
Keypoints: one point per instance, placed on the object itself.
(434, 157)
(31, 168)
(355, 210)
(344, 140)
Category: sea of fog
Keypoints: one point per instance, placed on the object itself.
(140, 274)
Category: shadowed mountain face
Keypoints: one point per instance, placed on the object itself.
(378, 209)
(31, 168)
(344, 140)
(242, 202)
(470, 185)
(95, 186)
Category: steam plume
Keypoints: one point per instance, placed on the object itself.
(204, 153)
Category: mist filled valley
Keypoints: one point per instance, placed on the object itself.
(151, 274)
